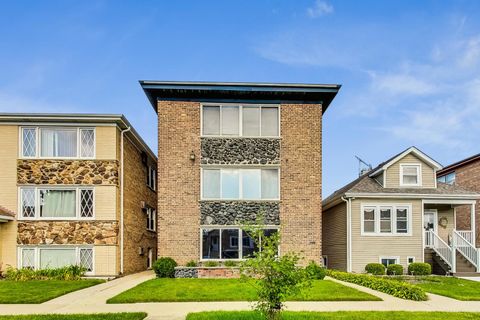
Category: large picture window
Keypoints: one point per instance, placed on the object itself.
(224, 243)
(47, 257)
(56, 203)
(58, 142)
(246, 184)
(240, 120)
(386, 219)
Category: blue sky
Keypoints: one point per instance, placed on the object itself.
(410, 70)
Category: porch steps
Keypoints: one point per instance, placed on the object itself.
(464, 266)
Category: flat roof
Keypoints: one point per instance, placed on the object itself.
(252, 92)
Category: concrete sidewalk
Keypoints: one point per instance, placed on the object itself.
(93, 300)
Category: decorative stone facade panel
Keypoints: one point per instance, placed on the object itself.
(186, 272)
(207, 272)
(67, 232)
(237, 212)
(67, 172)
(258, 151)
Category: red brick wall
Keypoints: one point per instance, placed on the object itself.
(218, 272)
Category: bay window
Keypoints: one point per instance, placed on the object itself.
(56, 203)
(223, 243)
(386, 219)
(240, 183)
(240, 120)
(57, 142)
(48, 257)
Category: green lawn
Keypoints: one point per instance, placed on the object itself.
(366, 315)
(38, 291)
(164, 290)
(98, 316)
(456, 288)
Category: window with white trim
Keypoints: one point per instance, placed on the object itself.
(410, 174)
(47, 257)
(386, 261)
(151, 219)
(410, 260)
(386, 219)
(223, 243)
(240, 120)
(56, 203)
(57, 142)
(448, 178)
(245, 184)
(151, 177)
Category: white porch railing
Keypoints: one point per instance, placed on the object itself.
(428, 239)
(446, 252)
(467, 235)
(467, 249)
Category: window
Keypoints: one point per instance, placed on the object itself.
(410, 260)
(151, 178)
(151, 219)
(45, 257)
(250, 184)
(56, 203)
(386, 261)
(223, 243)
(242, 120)
(410, 175)
(448, 178)
(53, 142)
(386, 220)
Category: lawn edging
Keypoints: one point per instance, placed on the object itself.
(394, 288)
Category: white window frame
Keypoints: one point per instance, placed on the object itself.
(37, 189)
(38, 248)
(152, 178)
(240, 183)
(410, 257)
(38, 142)
(151, 215)
(396, 258)
(394, 207)
(240, 119)
(240, 243)
(418, 167)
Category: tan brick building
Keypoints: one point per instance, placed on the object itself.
(229, 152)
(62, 197)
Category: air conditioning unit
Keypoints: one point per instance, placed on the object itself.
(140, 251)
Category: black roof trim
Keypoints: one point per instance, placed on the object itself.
(453, 166)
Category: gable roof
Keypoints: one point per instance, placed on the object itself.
(455, 165)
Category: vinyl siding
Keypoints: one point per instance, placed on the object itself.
(393, 172)
(368, 249)
(334, 234)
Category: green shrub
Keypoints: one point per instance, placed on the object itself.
(230, 263)
(191, 264)
(395, 270)
(315, 271)
(72, 272)
(419, 269)
(211, 264)
(376, 269)
(165, 267)
(392, 287)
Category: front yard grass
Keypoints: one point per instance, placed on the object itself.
(455, 288)
(365, 315)
(182, 290)
(97, 316)
(38, 291)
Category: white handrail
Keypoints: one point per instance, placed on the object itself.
(443, 250)
(467, 235)
(465, 248)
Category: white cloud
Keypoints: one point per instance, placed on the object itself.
(401, 84)
(320, 8)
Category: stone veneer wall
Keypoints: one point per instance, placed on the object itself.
(67, 172)
(301, 180)
(238, 212)
(136, 190)
(67, 232)
(207, 272)
(240, 151)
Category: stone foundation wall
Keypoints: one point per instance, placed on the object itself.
(186, 272)
(238, 212)
(67, 232)
(240, 151)
(207, 272)
(67, 172)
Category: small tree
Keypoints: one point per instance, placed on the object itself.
(275, 278)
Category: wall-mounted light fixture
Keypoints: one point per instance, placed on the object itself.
(192, 156)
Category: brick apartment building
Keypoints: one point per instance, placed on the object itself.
(228, 152)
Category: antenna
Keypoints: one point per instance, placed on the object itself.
(363, 167)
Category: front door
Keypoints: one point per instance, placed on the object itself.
(150, 258)
(429, 223)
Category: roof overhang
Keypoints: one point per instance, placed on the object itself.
(240, 92)
(461, 163)
(4, 218)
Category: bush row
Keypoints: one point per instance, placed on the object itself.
(416, 269)
(395, 288)
(65, 273)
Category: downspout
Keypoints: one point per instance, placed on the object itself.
(348, 202)
(121, 195)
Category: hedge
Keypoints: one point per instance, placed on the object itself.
(395, 288)
(395, 270)
(164, 267)
(377, 269)
(419, 269)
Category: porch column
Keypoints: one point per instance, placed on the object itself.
(472, 224)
